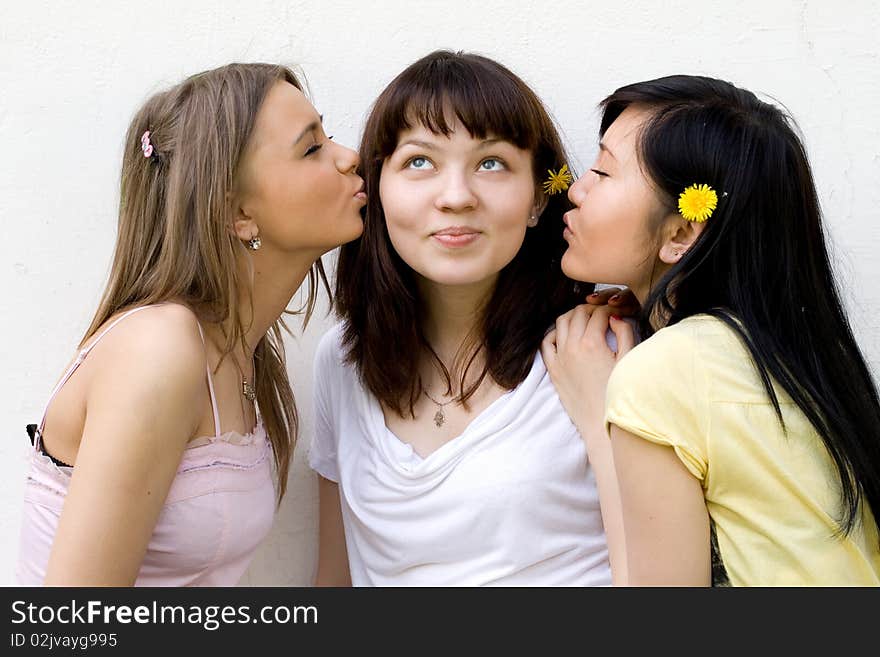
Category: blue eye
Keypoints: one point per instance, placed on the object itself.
(419, 163)
(491, 164)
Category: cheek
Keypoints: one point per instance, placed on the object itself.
(404, 207)
(325, 186)
(510, 229)
(286, 193)
(272, 198)
(598, 249)
(511, 206)
(605, 217)
(505, 216)
(613, 243)
(516, 207)
(402, 217)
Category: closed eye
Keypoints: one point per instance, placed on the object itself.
(599, 173)
(314, 148)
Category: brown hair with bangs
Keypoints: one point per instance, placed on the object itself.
(376, 293)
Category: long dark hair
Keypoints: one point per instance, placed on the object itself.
(376, 292)
(764, 237)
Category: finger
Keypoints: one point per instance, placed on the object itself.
(597, 327)
(623, 331)
(625, 309)
(548, 349)
(578, 324)
(562, 330)
(624, 297)
(601, 297)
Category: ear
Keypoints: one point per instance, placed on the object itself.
(541, 200)
(538, 208)
(240, 224)
(679, 236)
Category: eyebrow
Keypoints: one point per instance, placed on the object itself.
(430, 146)
(311, 127)
(493, 141)
(415, 142)
(603, 147)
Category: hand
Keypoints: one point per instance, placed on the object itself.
(622, 300)
(580, 361)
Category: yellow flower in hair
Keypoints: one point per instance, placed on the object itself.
(558, 182)
(697, 202)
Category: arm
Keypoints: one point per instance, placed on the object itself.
(602, 462)
(664, 514)
(143, 403)
(580, 362)
(333, 567)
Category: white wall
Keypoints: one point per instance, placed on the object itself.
(72, 74)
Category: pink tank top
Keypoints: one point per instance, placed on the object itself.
(219, 508)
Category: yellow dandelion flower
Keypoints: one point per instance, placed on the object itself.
(558, 182)
(697, 203)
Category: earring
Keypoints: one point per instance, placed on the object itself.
(533, 220)
(255, 243)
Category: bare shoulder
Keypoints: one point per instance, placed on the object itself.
(156, 345)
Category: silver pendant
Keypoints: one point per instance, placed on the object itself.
(248, 390)
(439, 418)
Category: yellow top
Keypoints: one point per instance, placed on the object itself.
(772, 497)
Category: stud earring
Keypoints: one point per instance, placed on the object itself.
(255, 243)
(533, 220)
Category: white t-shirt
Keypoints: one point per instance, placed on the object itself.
(512, 501)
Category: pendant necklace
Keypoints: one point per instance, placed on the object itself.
(247, 389)
(439, 416)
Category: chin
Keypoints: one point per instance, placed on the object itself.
(453, 277)
(357, 230)
(354, 229)
(570, 268)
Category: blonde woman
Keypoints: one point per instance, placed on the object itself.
(153, 462)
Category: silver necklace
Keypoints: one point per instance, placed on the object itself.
(248, 390)
(439, 416)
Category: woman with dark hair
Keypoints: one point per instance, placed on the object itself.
(444, 455)
(153, 462)
(745, 432)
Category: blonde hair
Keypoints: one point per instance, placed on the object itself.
(174, 241)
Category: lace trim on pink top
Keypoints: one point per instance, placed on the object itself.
(231, 437)
(219, 507)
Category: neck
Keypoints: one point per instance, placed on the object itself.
(452, 312)
(276, 278)
(643, 290)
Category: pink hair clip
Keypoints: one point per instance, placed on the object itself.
(146, 146)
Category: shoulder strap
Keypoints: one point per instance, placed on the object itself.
(80, 357)
(210, 384)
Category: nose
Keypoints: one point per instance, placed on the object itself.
(577, 189)
(346, 159)
(456, 194)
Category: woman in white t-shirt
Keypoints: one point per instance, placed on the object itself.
(444, 454)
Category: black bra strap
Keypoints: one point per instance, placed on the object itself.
(32, 433)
